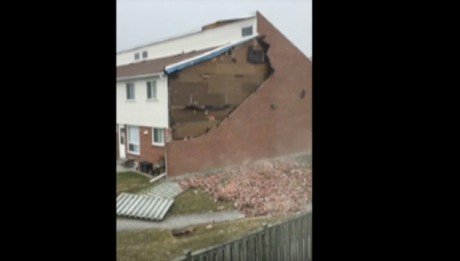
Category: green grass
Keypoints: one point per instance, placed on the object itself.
(131, 182)
(195, 201)
(191, 201)
(161, 245)
(305, 160)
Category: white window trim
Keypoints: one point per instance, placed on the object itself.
(129, 142)
(153, 137)
(247, 27)
(156, 90)
(134, 92)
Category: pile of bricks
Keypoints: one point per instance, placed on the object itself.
(269, 187)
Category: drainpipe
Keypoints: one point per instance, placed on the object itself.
(166, 165)
(169, 120)
(166, 161)
(165, 174)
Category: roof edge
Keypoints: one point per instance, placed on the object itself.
(184, 35)
(157, 74)
(206, 56)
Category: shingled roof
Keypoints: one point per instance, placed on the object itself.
(154, 66)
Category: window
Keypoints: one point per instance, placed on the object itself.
(158, 136)
(256, 56)
(151, 90)
(136, 56)
(130, 91)
(122, 136)
(246, 31)
(144, 54)
(133, 140)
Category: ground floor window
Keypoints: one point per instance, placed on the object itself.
(158, 136)
(134, 140)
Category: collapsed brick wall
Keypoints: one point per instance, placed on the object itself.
(273, 121)
(204, 94)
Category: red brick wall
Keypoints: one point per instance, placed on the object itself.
(149, 152)
(255, 130)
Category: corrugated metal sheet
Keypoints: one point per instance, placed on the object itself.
(165, 189)
(142, 206)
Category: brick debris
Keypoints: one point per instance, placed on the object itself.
(263, 188)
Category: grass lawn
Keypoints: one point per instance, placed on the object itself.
(131, 182)
(191, 201)
(197, 201)
(161, 245)
(305, 160)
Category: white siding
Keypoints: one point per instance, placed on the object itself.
(141, 112)
(202, 40)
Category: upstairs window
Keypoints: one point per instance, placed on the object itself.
(246, 31)
(151, 90)
(130, 91)
(256, 56)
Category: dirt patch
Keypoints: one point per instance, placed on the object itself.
(263, 188)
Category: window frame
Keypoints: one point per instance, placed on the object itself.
(128, 86)
(152, 87)
(163, 137)
(129, 130)
(246, 28)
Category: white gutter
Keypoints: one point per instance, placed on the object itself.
(236, 42)
(157, 74)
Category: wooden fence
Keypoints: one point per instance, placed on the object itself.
(290, 240)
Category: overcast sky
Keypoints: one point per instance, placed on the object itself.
(144, 21)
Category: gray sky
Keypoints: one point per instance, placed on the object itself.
(144, 21)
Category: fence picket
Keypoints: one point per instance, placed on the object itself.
(266, 244)
(309, 224)
(244, 247)
(299, 239)
(236, 251)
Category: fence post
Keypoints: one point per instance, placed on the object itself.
(188, 255)
(266, 243)
(309, 225)
(298, 229)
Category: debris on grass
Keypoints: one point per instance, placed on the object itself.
(264, 188)
(182, 231)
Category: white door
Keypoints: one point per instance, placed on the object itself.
(122, 141)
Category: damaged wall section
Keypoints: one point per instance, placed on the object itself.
(204, 94)
(273, 121)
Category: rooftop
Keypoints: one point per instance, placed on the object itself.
(203, 28)
(154, 66)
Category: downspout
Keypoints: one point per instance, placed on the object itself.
(169, 123)
(165, 174)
